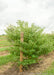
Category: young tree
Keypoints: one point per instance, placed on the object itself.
(35, 42)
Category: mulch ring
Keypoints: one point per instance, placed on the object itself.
(34, 69)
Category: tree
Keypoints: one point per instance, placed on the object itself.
(35, 43)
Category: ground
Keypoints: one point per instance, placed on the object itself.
(7, 68)
(46, 62)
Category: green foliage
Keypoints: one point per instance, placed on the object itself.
(51, 37)
(35, 42)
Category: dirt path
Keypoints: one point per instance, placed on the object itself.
(3, 39)
(45, 63)
(33, 69)
(5, 67)
(3, 53)
(4, 46)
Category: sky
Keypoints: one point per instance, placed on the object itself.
(40, 12)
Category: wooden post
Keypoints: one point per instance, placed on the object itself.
(21, 53)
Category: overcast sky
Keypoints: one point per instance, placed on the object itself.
(41, 12)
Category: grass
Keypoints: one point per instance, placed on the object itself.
(4, 42)
(11, 58)
(5, 59)
(5, 48)
(2, 37)
(4, 45)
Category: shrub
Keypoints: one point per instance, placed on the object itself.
(35, 42)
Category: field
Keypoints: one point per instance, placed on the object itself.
(5, 56)
(45, 67)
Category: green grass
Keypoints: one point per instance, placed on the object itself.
(2, 37)
(5, 48)
(4, 42)
(6, 59)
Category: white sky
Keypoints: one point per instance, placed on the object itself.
(41, 12)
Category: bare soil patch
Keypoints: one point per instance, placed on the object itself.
(2, 39)
(3, 53)
(33, 69)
